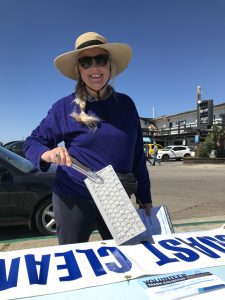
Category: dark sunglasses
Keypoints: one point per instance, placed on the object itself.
(100, 60)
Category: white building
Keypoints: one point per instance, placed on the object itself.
(178, 129)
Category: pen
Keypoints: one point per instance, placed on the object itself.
(211, 288)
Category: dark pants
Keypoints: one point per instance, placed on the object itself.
(76, 219)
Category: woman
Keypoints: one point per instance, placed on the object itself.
(98, 126)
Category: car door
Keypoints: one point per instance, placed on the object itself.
(11, 194)
(4, 192)
(174, 152)
(178, 151)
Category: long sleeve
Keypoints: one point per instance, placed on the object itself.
(46, 136)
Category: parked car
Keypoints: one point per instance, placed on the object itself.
(177, 152)
(25, 193)
(16, 147)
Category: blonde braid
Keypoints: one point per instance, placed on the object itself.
(81, 99)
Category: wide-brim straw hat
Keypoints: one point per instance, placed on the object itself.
(120, 55)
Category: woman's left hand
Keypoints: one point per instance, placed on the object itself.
(147, 207)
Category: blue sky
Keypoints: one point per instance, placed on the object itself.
(177, 45)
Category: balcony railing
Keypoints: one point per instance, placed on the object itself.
(178, 129)
(184, 129)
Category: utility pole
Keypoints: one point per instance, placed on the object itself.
(197, 137)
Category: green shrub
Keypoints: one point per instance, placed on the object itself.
(204, 149)
(214, 141)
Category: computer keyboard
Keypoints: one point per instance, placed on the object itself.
(115, 206)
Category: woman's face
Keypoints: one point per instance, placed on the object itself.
(94, 74)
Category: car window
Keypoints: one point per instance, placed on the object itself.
(18, 146)
(17, 161)
(167, 148)
(8, 146)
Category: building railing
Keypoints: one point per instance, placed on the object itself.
(191, 128)
(184, 129)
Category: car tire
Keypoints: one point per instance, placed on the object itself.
(44, 218)
(165, 157)
(187, 155)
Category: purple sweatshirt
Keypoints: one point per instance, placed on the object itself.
(117, 141)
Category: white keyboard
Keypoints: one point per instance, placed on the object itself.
(115, 206)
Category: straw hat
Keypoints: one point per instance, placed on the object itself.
(120, 54)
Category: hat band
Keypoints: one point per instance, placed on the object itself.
(89, 43)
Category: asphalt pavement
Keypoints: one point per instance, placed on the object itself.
(189, 191)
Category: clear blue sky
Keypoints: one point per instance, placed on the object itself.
(177, 45)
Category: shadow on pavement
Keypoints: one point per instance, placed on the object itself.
(17, 232)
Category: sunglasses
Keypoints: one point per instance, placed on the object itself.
(100, 60)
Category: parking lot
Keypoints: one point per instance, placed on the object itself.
(190, 193)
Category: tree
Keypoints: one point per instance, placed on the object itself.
(215, 140)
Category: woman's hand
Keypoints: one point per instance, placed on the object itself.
(147, 207)
(58, 155)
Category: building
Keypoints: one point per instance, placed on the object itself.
(181, 128)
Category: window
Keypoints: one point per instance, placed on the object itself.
(182, 123)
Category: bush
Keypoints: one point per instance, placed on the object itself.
(214, 141)
(204, 149)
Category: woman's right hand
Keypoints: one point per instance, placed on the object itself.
(58, 155)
